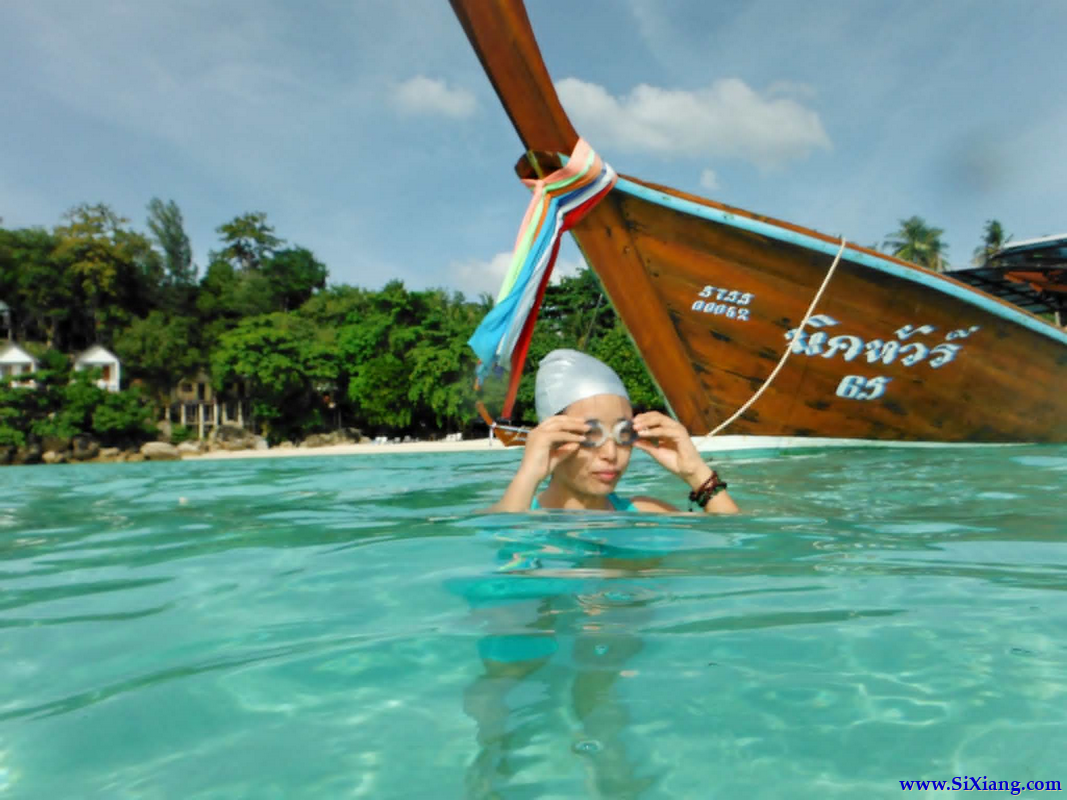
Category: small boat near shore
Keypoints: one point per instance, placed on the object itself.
(713, 296)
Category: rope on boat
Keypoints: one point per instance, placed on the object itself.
(789, 345)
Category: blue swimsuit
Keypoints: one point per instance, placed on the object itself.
(617, 503)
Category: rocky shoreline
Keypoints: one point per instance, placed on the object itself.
(227, 440)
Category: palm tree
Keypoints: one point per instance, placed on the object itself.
(992, 242)
(919, 243)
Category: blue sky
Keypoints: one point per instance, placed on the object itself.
(368, 133)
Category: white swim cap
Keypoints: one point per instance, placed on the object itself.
(567, 376)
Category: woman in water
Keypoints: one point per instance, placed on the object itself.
(584, 441)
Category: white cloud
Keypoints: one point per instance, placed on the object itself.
(474, 276)
(709, 180)
(422, 95)
(727, 119)
(566, 268)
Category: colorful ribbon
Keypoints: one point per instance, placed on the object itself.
(560, 201)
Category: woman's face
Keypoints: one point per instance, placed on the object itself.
(596, 470)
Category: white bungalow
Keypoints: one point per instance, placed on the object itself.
(16, 361)
(97, 357)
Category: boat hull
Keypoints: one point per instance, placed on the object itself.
(890, 354)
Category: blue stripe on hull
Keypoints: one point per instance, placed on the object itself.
(830, 248)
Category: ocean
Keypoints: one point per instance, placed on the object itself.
(352, 626)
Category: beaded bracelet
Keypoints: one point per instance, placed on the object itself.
(708, 489)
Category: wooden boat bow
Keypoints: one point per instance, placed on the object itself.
(503, 39)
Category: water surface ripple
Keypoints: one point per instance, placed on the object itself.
(354, 627)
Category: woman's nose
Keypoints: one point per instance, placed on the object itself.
(609, 449)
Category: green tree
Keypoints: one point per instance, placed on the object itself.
(36, 285)
(159, 350)
(373, 347)
(251, 276)
(336, 305)
(287, 364)
(123, 417)
(616, 349)
(919, 243)
(227, 295)
(294, 274)
(17, 407)
(115, 268)
(440, 364)
(21, 408)
(576, 309)
(74, 404)
(168, 229)
(248, 241)
(993, 240)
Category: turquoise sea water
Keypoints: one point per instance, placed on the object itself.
(349, 627)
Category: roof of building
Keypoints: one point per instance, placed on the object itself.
(13, 353)
(96, 354)
(1032, 274)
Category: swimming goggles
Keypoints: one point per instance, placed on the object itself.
(622, 432)
(512, 435)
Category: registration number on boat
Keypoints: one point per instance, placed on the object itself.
(729, 303)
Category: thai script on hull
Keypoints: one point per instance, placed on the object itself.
(876, 351)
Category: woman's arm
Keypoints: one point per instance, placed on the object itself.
(520, 492)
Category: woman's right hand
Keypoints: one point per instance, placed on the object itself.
(550, 443)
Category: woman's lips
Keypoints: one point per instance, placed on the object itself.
(606, 476)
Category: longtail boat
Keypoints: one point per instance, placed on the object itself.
(833, 340)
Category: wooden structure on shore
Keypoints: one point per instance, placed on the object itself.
(712, 295)
(195, 404)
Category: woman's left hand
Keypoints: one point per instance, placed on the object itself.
(667, 441)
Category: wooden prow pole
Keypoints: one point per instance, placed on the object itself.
(504, 42)
(500, 32)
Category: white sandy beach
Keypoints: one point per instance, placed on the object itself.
(354, 450)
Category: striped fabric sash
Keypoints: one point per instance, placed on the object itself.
(560, 201)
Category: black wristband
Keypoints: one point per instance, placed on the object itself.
(708, 489)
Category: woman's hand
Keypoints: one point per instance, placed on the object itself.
(667, 441)
(550, 443)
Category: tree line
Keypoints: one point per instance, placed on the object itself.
(921, 243)
(310, 357)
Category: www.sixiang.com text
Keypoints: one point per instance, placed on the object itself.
(967, 783)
